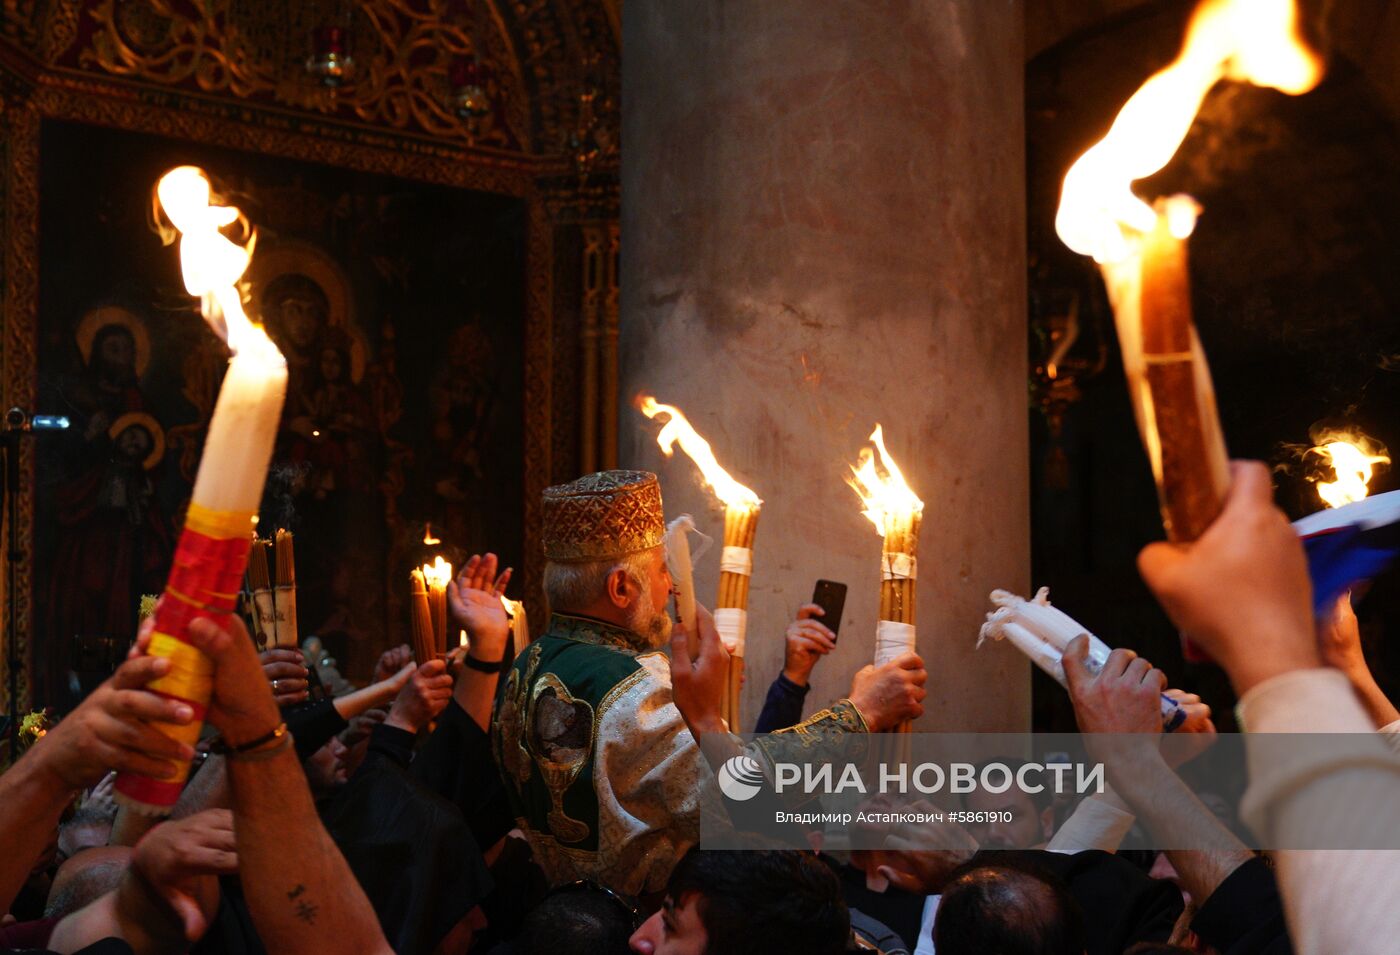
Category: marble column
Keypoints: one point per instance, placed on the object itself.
(822, 228)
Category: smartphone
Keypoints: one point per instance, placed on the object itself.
(831, 597)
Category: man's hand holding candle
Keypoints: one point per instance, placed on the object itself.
(891, 693)
(1242, 590)
(1115, 707)
(808, 640)
(285, 669)
(422, 698)
(698, 683)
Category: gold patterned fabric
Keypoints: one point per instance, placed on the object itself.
(603, 776)
(602, 515)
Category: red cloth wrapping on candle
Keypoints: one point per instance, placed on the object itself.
(204, 582)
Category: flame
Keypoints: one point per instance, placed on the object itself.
(1255, 41)
(211, 262)
(512, 606)
(888, 498)
(428, 537)
(677, 429)
(438, 573)
(1352, 456)
(461, 638)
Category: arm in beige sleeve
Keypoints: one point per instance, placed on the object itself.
(1098, 822)
(1334, 800)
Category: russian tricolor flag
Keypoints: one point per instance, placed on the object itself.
(1348, 544)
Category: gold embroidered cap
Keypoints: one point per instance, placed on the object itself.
(602, 515)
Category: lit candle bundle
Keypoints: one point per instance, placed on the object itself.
(428, 609)
(1141, 249)
(1042, 632)
(896, 511)
(519, 624)
(208, 566)
(741, 509)
(436, 576)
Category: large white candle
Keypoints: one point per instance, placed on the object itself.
(678, 560)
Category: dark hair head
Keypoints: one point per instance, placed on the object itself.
(762, 901)
(578, 919)
(1008, 908)
(85, 878)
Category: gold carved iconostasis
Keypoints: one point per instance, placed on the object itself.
(434, 184)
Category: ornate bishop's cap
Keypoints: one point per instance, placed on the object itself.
(602, 515)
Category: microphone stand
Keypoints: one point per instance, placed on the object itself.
(18, 424)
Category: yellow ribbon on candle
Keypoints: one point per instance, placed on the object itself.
(191, 678)
(220, 525)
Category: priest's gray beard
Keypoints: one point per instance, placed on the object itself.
(651, 625)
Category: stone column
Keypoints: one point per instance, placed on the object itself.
(823, 227)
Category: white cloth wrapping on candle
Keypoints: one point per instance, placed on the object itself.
(892, 640)
(678, 561)
(899, 566)
(733, 625)
(1042, 632)
(737, 560)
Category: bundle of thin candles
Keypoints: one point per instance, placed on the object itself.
(421, 618)
(732, 605)
(1042, 632)
(273, 591)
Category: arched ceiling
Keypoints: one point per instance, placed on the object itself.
(544, 56)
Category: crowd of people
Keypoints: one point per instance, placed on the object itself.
(552, 800)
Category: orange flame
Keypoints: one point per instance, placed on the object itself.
(211, 262)
(1352, 456)
(438, 573)
(428, 537)
(1255, 41)
(888, 498)
(678, 430)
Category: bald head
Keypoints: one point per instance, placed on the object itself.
(85, 878)
(1009, 909)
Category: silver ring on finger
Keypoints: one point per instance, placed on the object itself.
(275, 684)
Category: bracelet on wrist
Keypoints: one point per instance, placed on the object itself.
(272, 737)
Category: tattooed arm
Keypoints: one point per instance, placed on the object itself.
(299, 889)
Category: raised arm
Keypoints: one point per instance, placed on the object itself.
(302, 896)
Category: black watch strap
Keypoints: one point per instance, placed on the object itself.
(482, 666)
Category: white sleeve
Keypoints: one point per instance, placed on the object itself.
(1341, 798)
(1094, 824)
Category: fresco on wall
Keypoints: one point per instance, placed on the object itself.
(399, 307)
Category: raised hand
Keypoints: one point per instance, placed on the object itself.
(1241, 591)
(808, 641)
(391, 661)
(242, 707)
(181, 860)
(697, 685)
(475, 601)
(111, 729)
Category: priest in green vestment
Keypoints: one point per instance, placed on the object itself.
(601, 771)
